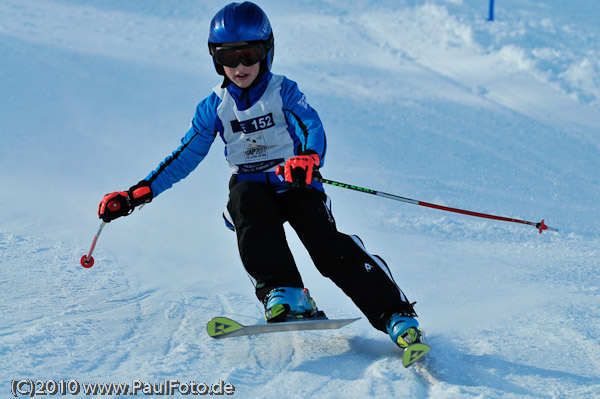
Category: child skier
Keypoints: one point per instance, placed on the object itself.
(265, 122)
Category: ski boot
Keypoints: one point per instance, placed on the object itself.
(290, 303)
(404, 330)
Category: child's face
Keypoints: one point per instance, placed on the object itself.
(242, 76)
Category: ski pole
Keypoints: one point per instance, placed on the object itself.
(541, 226)
(87, 261)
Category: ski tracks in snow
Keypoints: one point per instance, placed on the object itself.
(61, 321)
(309, 363)
(59, 317)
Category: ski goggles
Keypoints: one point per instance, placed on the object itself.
(231, 57)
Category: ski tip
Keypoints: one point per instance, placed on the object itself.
(220, 327)
(413, 353)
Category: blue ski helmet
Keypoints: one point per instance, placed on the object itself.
(241, 22)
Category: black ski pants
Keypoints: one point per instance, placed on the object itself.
(258, 214)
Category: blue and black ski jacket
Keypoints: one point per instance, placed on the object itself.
(261, 126)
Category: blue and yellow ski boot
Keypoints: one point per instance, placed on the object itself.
(404, 330)
(290, 303)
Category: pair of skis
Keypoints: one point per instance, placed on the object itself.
(223, 327)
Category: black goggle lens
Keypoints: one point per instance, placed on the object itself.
(232, 56)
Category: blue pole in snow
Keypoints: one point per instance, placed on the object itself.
(491, 18)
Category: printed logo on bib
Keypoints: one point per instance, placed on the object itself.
(260, 166)
(253, 125)
(255, 147)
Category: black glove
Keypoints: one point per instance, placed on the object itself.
(122, 203)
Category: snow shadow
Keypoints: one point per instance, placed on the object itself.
(361, 356)
(450, 364)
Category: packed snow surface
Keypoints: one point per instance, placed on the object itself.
(423, 99)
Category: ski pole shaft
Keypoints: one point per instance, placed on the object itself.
(87, 261)
(541, 226)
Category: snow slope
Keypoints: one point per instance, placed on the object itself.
(428, 100)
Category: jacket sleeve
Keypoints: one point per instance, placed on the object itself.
(303, 120)
(194, 147)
